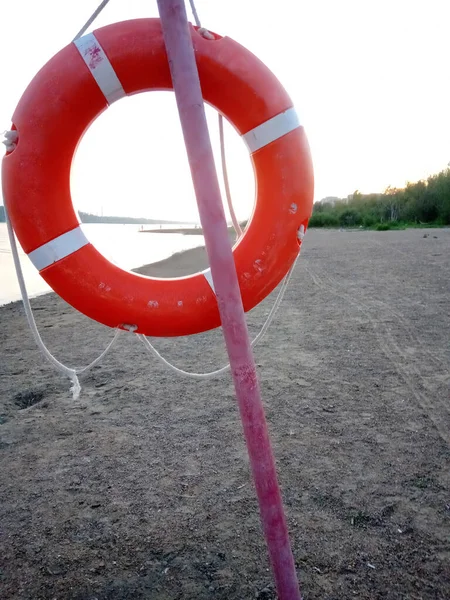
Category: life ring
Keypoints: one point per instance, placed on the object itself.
(58, 106)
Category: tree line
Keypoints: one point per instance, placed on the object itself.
(426, 202)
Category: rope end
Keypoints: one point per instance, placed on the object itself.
(75, 387)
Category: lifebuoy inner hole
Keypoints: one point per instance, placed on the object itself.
(132, 162)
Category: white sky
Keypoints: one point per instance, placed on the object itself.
(370, 80)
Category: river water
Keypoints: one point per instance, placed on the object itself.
(124, 245)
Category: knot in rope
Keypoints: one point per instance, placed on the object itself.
(206, 34)
(202, 30)
(301, 233)
(10, 141)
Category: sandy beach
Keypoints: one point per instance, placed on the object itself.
(141, 488)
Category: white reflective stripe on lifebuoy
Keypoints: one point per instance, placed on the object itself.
(208, 276)
(59, 248)
(102, 71)
(271, 130)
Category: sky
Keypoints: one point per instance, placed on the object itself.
(370, 81)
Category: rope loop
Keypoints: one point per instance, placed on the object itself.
(70, 372)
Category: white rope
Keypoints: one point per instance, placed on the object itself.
(195, 13)
(202, 30)
(239, 232)
(300, 235)
(236, 225)
(10, 141)
(258, 338)
(91, 19)
(70, 372)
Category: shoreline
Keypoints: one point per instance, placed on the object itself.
(179, 264)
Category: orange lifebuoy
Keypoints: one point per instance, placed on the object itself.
(60, 103)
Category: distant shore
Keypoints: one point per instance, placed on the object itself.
(182, 230)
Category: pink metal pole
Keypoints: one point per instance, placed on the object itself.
(188, 94)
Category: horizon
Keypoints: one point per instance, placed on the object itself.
(366, 81)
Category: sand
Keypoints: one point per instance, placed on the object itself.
(141, 488)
